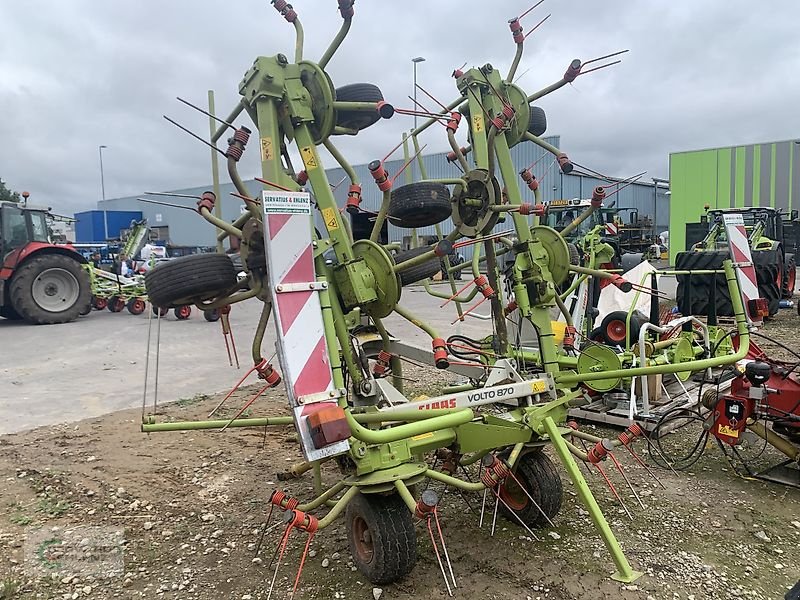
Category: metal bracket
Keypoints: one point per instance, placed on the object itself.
(301, 287)
(742, 265)
(321, 396)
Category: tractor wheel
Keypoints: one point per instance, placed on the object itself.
(537, 474)
(357, 92)
(382, 538)
(417, 272)
(419, 204)
(86, 309)
(51, 288)
(211, 315)
(159, 312)
(631, 260)
(769, 274)
(100, 303)
(136, 306)
(183, 312)
(700, 284)
(537, 124)
(789, 277)
(190, 278)
(614, 328)
(116, 304)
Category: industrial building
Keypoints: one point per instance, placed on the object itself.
(180, 227)
(765, 174)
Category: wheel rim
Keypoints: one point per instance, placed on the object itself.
(138, 306)
(183, 312)
(55, 290)
(364, 546)
(511, 493)
(616, 331)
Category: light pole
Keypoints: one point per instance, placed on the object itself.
(102, 179)
(416, 61)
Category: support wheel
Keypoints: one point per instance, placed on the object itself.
(539, 476)
(211, 315)
(100, 303)
(614, 328)
(417, 272)
(381, 536)
(419, 204)
(160, 312)
(136, 306)
(183, 312)
(115, 304)
(191, 278)
(358, 92)
(537, 124)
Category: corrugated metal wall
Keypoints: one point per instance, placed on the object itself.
(191, 230)
(737, 176)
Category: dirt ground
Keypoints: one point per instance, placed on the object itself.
(95, 509)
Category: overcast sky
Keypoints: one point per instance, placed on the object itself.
(75, 74)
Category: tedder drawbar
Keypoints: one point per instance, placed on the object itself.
(323, 291)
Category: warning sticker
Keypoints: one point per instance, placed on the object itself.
(730, 432)
(329, 216)
(477, 123)
(309, 160)
(288, 203)
(538, 386)
(266, 149)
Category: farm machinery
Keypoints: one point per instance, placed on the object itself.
(40, 282)
(776, 268)
(329, 295)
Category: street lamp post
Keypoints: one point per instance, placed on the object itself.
(102, 179)
(416, 61)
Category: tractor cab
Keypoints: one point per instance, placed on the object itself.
(561, 213)
(21, 225)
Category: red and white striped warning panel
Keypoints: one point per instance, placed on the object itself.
(743, 263)
(611, 228)
(302, 352)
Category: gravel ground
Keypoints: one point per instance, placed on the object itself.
(96, 509)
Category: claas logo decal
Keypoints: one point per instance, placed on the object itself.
(448, 403)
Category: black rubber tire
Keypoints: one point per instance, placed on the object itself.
(86, 310)
(537, 124)
(21, 289)
(391, 551)
(769, 270)
(156, 310)
(357, 92)
(789, 277)
(183, 312)
(419, 204)
(614, 318)
(540, 477)
(700, 284)
(418, 272)
(136, 306)
(212, 315)
(189, 279)
(115, 304)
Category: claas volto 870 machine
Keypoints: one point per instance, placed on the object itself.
(328, 297)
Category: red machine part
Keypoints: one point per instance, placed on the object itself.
(779, 401)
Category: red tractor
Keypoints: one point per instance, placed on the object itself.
(40, 282)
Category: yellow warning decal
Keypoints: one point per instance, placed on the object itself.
(477, 123)
(422, 436)
(266, 149)
(329, 215)
(729, 431)
(538, 386)
(307, 154)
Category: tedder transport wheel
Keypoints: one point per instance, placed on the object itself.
(160, 312)
(789, 277)
(190, 278)
(537, 124)
(183, 312)
(357, 92)
(211, 315)
(539, 476)
(381, 536)
(419, 204)
(116, 304)
(51, 288)
(136, 306)
(100, 303)
(417, 272)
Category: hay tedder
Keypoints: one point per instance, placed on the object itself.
(329, 295)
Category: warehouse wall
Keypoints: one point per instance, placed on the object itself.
(188, 228)
(739, 176)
